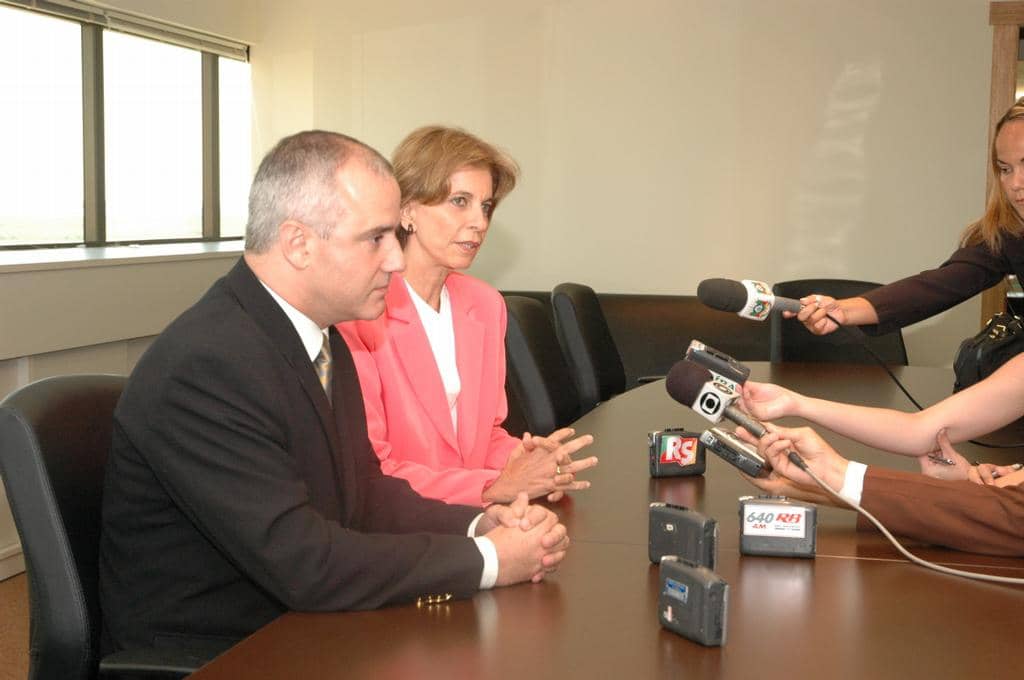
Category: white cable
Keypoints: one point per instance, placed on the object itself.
(800, 463)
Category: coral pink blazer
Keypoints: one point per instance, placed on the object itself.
(407, 414)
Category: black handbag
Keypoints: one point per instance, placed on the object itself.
(1000, 340)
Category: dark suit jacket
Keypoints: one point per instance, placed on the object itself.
(961, 515)
(234, 492)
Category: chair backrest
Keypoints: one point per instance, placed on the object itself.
(587, 343)
(652, 332)
(54, 443)
(537, 373)
(790, 341)
(542, 296)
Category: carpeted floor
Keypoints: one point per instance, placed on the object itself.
(14, 628)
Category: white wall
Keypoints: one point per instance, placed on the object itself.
(663, 142)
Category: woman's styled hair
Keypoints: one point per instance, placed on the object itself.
(425, 161)
(1000, 218)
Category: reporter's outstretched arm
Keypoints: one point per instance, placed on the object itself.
(980, 409)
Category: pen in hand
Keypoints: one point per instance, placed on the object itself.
(942, 440)
(935, 457)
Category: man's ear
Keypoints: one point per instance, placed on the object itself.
(296, 242)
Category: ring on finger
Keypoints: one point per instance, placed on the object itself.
(558, 470)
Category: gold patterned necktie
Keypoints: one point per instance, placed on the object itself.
(322, 364)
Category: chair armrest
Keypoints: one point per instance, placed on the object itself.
(151, 663)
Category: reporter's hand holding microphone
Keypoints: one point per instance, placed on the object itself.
(754, 300)
(819, 313)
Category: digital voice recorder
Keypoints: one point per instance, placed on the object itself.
(778, 526)
(675, 530)
(693, 601)
(674, 452)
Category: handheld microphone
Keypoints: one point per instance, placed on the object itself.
(694, 386)
(748, 298)
(723, 367)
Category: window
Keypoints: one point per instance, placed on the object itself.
(235, 89)
(40, 129)
(112, 136)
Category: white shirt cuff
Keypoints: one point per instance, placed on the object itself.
(488, 552)
(853, 482)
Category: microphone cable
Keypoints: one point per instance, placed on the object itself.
(795, 459)
(860, 338)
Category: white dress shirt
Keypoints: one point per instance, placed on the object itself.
(441, 334)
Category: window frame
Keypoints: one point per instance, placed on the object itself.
(93, 20)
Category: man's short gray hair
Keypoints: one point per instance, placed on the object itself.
(296, 181)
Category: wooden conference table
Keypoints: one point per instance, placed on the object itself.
(857, 610)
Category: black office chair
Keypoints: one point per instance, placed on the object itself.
(537, 373)
(54, 443)
(790, 341)
(587, 343)
(542, 296)
(652, 332)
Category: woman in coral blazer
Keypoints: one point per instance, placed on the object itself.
(432, 367)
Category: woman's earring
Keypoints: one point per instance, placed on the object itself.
(410, 228)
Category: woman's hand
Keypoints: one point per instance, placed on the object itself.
(817, 308)
(780, 485)
(982, 473)
(960, 469)
(776, 445)
(1000, 475)
(566, 464)
(541, 466)
(766, 401)
(815, 312)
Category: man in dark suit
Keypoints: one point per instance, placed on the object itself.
(241, 483)
(956, 514)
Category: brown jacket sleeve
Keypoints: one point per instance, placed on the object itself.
(961, 515)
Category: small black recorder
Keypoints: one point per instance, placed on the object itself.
(723, 367)
(693, 601)
(734, 451)
(679, 531)
(777, 526)
(674, 452)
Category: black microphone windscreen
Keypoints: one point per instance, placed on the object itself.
(685, 380)
(723, 294)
